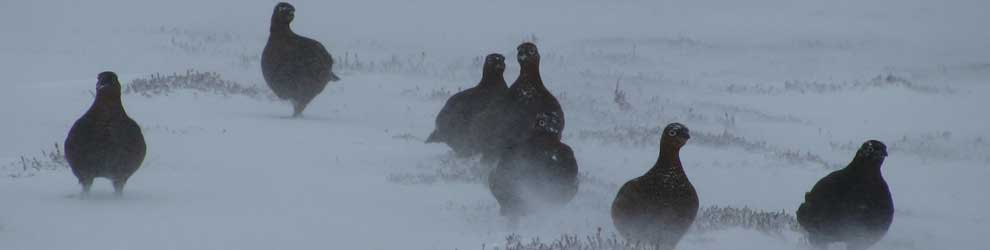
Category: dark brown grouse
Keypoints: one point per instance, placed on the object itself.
(540, 173)
(504, 122)
(460, 110)
(658, 207)
(295, 67)
(105, 142)
(851, 205)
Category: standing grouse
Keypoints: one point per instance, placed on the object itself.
(505, 122)
(105, 142)
(658, 207)
(295, 67)
(851, 205)
(453, 120)
(539, 173)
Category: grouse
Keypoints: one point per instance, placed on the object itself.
(851, 205)
(539, 173)
(456, 115)
(658, 207)
(504, 122)
(105, 142)
(295, 67)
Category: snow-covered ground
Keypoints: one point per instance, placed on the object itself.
(777, 93)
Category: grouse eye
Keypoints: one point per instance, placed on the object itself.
(542, 123)
(672, 133)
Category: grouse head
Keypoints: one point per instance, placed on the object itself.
(284, 12)
(528, 55)
(548, 123)
(872, 150)
(107, 83)
(495, 63)
(675, 134)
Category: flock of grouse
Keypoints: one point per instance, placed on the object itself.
(517, 129)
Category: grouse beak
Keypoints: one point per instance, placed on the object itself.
(878, 154)
(683, 138)
(527, 55)
(287, 12)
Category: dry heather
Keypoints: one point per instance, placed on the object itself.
(815, 87)
(709, 219)
(198, 82)
(933, 145)
(572, 242)
(640, 136)
(27, 166)
(769, 222)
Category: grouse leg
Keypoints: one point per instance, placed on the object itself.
(297, 109)
(118, 186)
(87, 183)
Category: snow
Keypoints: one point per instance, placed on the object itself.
(231, 172)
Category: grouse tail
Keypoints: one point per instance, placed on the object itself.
(434, 137)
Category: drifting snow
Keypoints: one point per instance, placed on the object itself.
(774, 91)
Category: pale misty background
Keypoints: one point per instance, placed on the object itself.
(777, 93)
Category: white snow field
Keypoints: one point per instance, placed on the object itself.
(777, 93)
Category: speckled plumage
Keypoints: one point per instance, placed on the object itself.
(295, 67)
(539, 173)
(659, 207)
(105, 142)
(851, 205)
(454, 119)
(503, 123)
